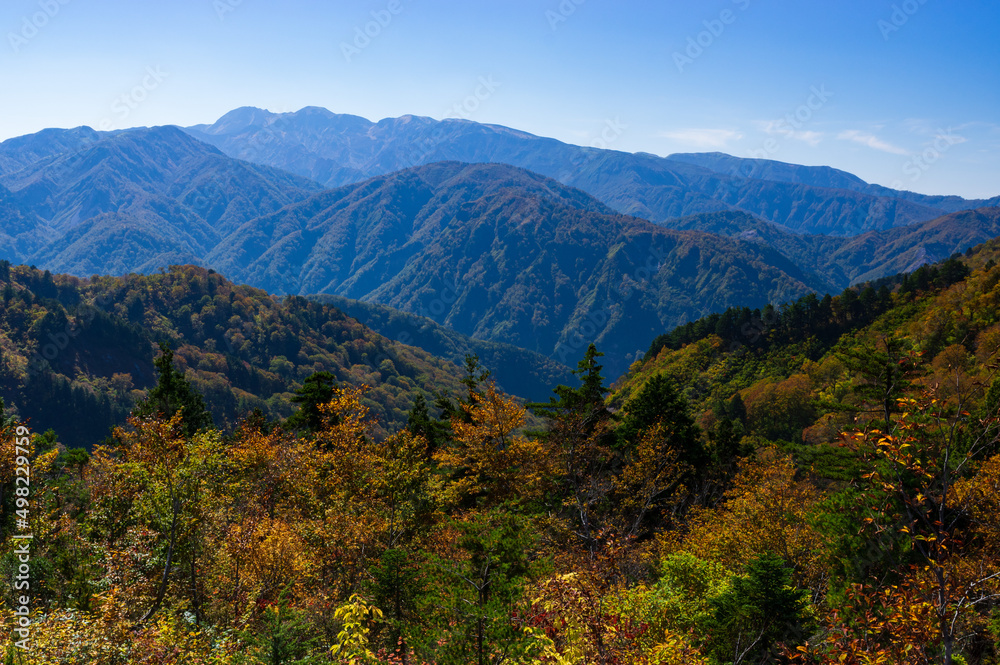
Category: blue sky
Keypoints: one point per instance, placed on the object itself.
(901, 93)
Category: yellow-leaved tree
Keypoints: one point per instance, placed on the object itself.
(490, 459)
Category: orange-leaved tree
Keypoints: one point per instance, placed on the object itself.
(490, 459)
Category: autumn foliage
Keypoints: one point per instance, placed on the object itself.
(827, 495)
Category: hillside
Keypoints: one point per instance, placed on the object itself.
(820, 176)
(805, 371)
(872, 255)
(137, 200)
(771, 473)
(341, 149)
(78, 354)
(516, 370)
(502, 254)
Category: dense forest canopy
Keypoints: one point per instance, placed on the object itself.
(89, 346)
(814, 482)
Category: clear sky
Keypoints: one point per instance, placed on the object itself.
(903, 93)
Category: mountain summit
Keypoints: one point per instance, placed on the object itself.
(336, 149)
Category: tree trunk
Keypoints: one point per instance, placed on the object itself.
(194, 591)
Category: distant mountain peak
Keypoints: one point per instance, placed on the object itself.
(338, 150)
(239, 120)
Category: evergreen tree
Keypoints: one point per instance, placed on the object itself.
(284, 639)
(419, 421)
(316, 390)
(395, 586)
(172, 393)
(475, 376)
(884, 372)
(480, 593)
(659, 402)
(726, 435)
(587, 401)
(756, 613)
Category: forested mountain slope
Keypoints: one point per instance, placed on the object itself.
(502, 254)
(78, 354)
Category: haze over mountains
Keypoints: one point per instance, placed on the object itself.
(495, 233)
(339, 149)
(132, 201)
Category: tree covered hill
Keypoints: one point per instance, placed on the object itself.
(518, 371)
(505, 255)
(23, 151)
(820, 176)
(800, 373)
(496, 253)
(873, 255)
(77, 354)
(813, 483)
(130, 201)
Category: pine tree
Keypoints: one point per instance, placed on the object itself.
(587, 401)
(658, 403)
(884, 372)
(419, 422)
(316, 390)
(475, 376)
(173, 393)
(758, 611)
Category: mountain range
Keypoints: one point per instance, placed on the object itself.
(131, 201)
(496, 234)
(503, 254)
(336, 149)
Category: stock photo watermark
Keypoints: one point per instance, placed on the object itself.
(792, 124)
(123, 105)
(586, 331)
(562, 13)
(465, 108)
(753, 330)
(611, 131)
(899, 17)
(224, 7)
(714, 29)
(363, 35)
(33, 24)
(57, 342)
(22, 550)
(919, 164)
(422, 150)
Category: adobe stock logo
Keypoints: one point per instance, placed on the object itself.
(791, 125)
(612, 130)
(562, 13)
(223, 7)
(363, 35)
(421, 151)
(32, 25)
(919, 164)
(901, 14)
(123, 105)
(698, 44)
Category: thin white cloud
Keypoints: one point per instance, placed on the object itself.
(871, 141)
(919, 126)
(703, 138)
(936, 132)
(782, 128)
